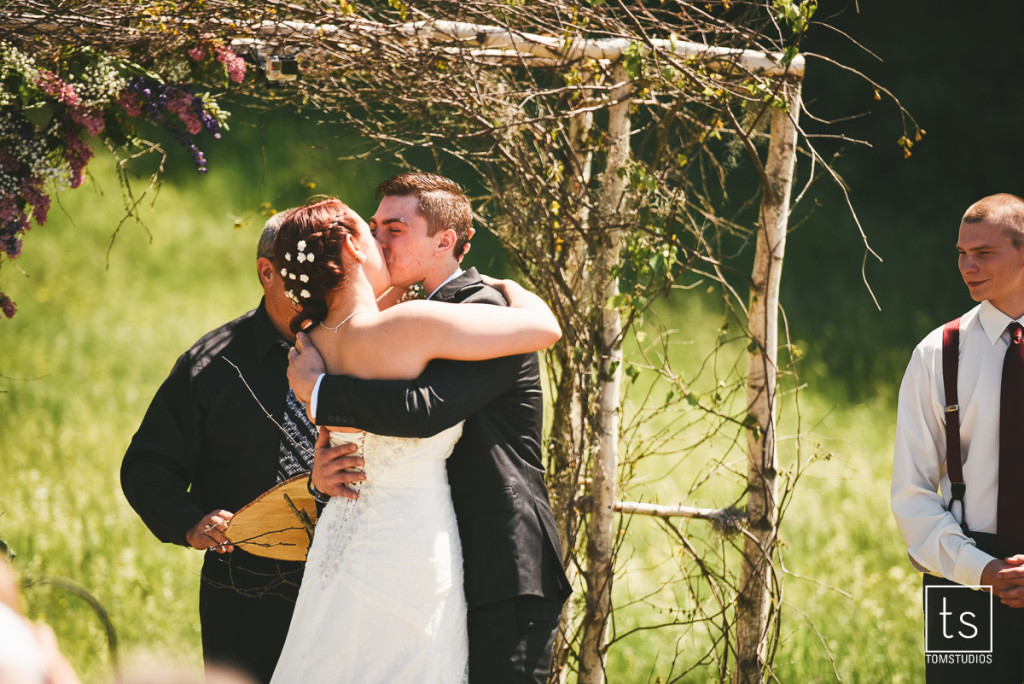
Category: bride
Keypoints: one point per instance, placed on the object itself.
(382, 595)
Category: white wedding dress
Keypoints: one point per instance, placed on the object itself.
(381, 599)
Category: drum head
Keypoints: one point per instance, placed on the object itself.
(278, 523)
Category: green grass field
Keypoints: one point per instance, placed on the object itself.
(97, 331)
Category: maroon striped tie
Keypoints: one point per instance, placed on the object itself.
(1010, 512)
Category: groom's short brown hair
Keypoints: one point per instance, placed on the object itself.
(441, 202)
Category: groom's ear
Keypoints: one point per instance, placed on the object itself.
(446, 240)
(468, 245)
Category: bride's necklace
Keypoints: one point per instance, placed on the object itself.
(334, 328)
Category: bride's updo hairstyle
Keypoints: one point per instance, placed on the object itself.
(308, 249)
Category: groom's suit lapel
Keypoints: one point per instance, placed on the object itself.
(460, 288)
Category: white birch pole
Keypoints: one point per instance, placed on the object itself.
(754, 599)
(600, 542)
(568, 422)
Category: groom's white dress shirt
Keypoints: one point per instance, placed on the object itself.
(316, 386)
(934, 539)
(447, 280)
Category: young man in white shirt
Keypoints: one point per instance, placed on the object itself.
(991, 262)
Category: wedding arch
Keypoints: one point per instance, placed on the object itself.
(604, 139)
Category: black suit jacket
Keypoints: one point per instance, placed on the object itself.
(509, 540)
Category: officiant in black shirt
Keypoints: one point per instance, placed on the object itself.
(207, 447)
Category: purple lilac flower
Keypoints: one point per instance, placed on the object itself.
(77, 155)
(91, 118)
(52, 85)
(32, 193)
(7, 305)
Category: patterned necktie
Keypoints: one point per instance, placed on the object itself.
(1010, 513)
(295, 455)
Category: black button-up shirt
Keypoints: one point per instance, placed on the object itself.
(206, 441)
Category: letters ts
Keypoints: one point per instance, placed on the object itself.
(963, 621)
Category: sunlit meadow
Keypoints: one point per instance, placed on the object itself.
(102, 319)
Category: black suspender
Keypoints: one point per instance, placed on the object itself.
(954, 461)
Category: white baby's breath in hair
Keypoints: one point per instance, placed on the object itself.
(309, 257)
(304, 278)
(305, 294)
(284, 272)
(291, 276)
(291, 295)
(301, 245)
(300, 257)
(287, 256)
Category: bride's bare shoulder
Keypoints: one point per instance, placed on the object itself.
(377, 345)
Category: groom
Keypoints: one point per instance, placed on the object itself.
(514, 582)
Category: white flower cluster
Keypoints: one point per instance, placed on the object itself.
(301, 257)
(177, 71)
(295, 298)
(41, 150)
(14, 60)
(44, 163)
(99, 83)
(285, 273)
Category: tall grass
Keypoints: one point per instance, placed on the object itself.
(98, 329)
(851, 606)
(81, 360)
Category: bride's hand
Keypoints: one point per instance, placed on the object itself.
(504, 287)
(514, 293)
(304, 367)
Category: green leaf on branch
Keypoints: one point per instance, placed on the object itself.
(787, 58)
(633, 60)
(619, 301)
(795, 13)
(751, 423)
(632, 372)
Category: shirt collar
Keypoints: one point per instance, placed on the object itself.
(994, 321)
(453, 276)
(265, 336)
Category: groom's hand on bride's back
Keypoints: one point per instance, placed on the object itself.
(304, 366)
(333, 467)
